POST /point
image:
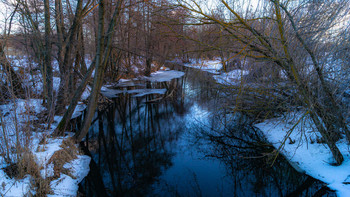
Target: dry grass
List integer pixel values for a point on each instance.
(68, 152)
(26, 165)
(42, 186)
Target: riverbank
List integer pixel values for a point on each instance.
(184, 145)
(46, 149)
(34, 162)
(54, 162)
(295, 137)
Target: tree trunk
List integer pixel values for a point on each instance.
(328, 139)
(148, 66)
(334, 108)
(101, 62)
(74, 101)
(303, 88)
(65, 57)
(47, 63)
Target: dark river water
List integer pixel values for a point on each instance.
(188, 144)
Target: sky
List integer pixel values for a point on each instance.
(4, 13)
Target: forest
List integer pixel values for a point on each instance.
(117, 97)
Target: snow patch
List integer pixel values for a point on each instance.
(16, 115)
(163, 76)
(303, 151)
(14, 188)
(64, 186)
(78, 110)
(211, 66)
(48, 171)
(233, 77)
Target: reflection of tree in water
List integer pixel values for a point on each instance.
(248, 159)
(245, 153)
(130, 145)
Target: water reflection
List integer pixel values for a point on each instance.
(248, 159)
(187, 144)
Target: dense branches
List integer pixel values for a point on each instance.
(272, 34)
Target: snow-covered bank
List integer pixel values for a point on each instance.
(233, 77)
(162, 76)
(305, 153)
(302, 147)
(211, 66)
(68, 185)
(21, 123)
(15, 117)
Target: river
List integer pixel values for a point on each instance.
(189, 143)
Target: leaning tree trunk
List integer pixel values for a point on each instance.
(327, 136)
(65, 55)
(74, 101)
(339, 120)
(101, 62)
(303, 88)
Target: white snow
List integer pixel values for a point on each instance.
(125, 83)
(211, 66)
(14, 118)
(48, 171)
(45, 151)
(124, 80)
(77, 167)
(14, 188)
(305, 154)
(163, 76)
(310, 157)
(15, 114)
(21, 106)
(233, 77)
(158, 76)
(78, 110)
(66, 185)
(164, 68)
(111, 93)
(86, 93)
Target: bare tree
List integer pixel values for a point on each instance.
(272, 34)
(47, 66)
(66, 48)
(102, 53)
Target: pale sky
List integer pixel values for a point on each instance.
(4, 13)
